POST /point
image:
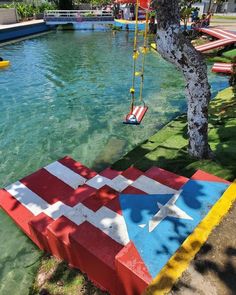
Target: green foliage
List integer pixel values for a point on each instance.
(28, 10)
(100, 2)
(63, 4)
(186, 10)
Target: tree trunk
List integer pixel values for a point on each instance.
(177, 49)
(209, 7)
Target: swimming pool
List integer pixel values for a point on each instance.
(66, 93)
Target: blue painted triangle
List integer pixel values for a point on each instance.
(157, 246)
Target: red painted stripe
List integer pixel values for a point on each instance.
(20, 215)
(114, 205)
(77, 167)
(100, 198)
(59, 242)
(110, 173)
(132, 270)
(227, 34)
(202, 175)
(132, 173)
(218, 33)
(96, 252)
(167, 178)
(133, 191)
(214, 33)
(79, 195)
(38, 228)
(215, 44)
(98, 243)
(141, 115)
(221, 70)
(47, 186)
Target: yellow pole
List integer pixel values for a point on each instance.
(144, 55)
(135, 55)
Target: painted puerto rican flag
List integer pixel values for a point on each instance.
(119, 227)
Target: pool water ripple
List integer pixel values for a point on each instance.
(67, 93)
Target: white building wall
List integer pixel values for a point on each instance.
(8, 16)
(231, 7)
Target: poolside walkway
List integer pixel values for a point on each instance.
(22, 24)
(226, 24)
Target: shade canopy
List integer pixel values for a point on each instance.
(145, 4)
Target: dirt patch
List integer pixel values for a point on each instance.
(213, 271)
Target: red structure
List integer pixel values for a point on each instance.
(94, 221)
(225, 38)
(145, 4)
(225, 68)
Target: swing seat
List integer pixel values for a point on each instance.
(135, 117)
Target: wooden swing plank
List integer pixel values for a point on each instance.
(138, 112)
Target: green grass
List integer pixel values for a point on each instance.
(219, 59)
(227, 56)
(230, 54)
(168, 147)
(215, 17)
(56, 278)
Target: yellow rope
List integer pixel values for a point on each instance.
(135, 56)
(144, 51)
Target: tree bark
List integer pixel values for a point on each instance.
(177, 49)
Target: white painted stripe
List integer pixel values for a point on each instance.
(112, 224)
(151, 186)
(219, 33)
(221, 68)
(226, 33)
(65, 174)
(119, 183)
(213, 44)
(99, 181)
(79, 214)
(57, 209)
(135, 111)
(222, 64)
(106, 220)
(27, 198)
(139, 113)
(213, 33)
(222, 35)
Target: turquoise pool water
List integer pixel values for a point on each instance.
(66, 93)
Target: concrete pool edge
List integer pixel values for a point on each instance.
(17, 31)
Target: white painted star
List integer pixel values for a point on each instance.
(169, 209)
